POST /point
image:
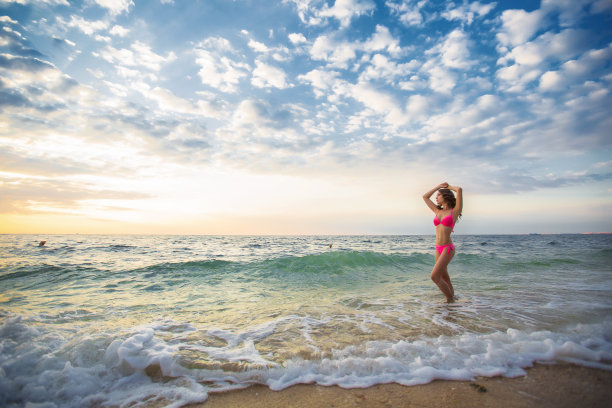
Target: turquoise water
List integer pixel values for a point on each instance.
(100, 320)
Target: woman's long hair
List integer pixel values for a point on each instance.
(449, 198)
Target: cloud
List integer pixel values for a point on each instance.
(169, 103)
(264, 137)
(417, 107)
(533, 58)
(409, 82)
(115, 7)
(86, 26)
(467, 12)
(518, 26)
(265, 76)
(24, 64)
(22, 195)
(34, 83)
(312, 13)
(7, 19)
(321, 80)
(345, 10)
(381, 67)
(507, 180)
(20, 161)
(139, 55)
(10, 97)
(441, 79)
(13, 40)
(408, 11)
(600, 6)
(551, 80)
(338, 53)
(217, 69)
(119, 31)
(257, 46)
(278, 53)
(571, 12)
(297, 38)
(556, 46)
(47, 2)
(382, 40)
(454, 51)
(381, 103)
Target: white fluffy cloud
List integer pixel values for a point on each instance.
(572, 71)
(339, 52)
(138, 55)
(297, 38)
(217, 69)
(518, 26)
(440, 79)
(467, 11)
(383, 68)
(321, 80)
(454, 51)
(550, 81)
(115, 6)
(119, 31)
(417, 107)
(312, 12)
(265, 76)
(258, 46)
(167, 101)
(345, 10)
(379, 102)
(86, 26)
(409, 12)
(382, 40)
(526, 62)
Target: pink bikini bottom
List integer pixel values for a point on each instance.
(441, 248)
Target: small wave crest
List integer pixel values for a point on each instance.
(329, 263)
(189, 267)
(340, 262)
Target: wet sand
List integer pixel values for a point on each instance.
(558, 386)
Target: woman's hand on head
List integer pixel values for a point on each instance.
(443, 185)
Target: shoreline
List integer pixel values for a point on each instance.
(560, 385)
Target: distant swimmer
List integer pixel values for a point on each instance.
(444, 221)
(330, 245)
(42, 243)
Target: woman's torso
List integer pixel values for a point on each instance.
(444, 227)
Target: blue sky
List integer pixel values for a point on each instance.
(303, 116)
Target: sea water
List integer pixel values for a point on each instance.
(94, 320)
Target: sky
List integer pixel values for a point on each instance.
(304, 116)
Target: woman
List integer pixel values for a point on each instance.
(447, 210)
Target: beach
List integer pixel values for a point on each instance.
(110, 321)
(544, 386)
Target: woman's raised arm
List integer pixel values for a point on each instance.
(459, 203)
(427, 197)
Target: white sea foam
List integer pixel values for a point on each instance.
(38, 366)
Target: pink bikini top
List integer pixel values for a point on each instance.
(446, 221)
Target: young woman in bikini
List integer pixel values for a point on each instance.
(448, 210)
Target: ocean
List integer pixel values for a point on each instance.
(101, 320)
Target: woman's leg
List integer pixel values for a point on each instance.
(446, 278)
(439, 274)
